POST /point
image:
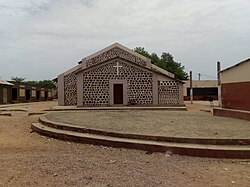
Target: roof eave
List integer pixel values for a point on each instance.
(235, 65)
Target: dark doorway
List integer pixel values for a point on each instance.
(204, 93)
(37, 95)
(46, 95)
(27, 95)
(14, 94)
(118, 93)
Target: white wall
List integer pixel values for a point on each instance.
(239, 73)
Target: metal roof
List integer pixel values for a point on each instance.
(247, 60)
(6, 83)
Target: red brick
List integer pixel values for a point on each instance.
(236, 95)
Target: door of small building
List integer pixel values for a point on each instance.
(14, 94)
(37, 95)
(46, 95)
(5, 95)
(118, 93)
(27, 95)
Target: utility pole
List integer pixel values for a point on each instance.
(199, 76)
(219, 83)
(191, 87)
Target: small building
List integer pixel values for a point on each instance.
(117, 75)
(235, 91)
(5, 92)
(12, 92)
(202, 90)
(23, 92)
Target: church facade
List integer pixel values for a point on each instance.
(117, 75)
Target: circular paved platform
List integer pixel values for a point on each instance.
(185, 133)
(157, 123)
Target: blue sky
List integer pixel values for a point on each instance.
(40, 39)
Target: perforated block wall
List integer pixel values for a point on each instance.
(96, 84)
(113, 53)
(70, 89)
(168, 92)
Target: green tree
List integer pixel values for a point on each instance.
(154, 58)
(168, 63)
(33, 83)
(165, 62)
(18, 79)
(44, 84)
(142, 51)
(47, 84)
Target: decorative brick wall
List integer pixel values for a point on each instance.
(96, 84)
(113, 53)
(70, 89)
(236, 95)
(168, 92)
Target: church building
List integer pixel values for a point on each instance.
(117, 75)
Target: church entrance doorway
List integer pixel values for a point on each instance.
(118, 93)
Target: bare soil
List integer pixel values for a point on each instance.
(28, 159)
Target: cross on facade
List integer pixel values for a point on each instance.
(117, 66)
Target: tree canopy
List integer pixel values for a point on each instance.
(166, 61)
(18, 79)
(44, 83)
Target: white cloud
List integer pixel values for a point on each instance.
(42, 38)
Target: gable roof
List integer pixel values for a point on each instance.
(247, 60)
(74, 69)
(160, 70)
(136, 58)
(113, 46)
(113, 51)
(4, 82)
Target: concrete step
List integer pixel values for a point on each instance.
(213, 151)
(190, 140)
(73, 108)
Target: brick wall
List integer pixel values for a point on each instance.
(236, 95)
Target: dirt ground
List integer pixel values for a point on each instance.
(28, 159)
